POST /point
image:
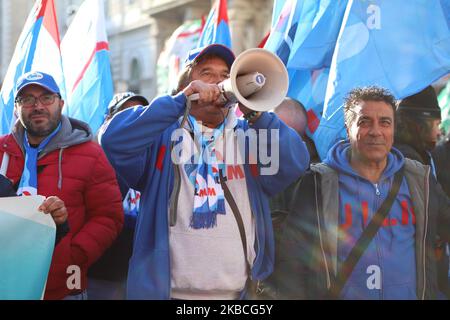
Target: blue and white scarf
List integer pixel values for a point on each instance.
(28, 182)
(208, 195)
(131, 204)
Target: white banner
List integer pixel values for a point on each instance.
(27, 239)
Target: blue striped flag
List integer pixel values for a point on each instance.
(87, 70)
(304, 37)
(216, 29)
(37, 50)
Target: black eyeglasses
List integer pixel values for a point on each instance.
(30, 101)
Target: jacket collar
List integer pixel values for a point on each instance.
(72, 132)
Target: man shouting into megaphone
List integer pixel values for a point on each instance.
(204, 229)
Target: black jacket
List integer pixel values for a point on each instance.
(441, 156)
(413, 153)
(6, 187)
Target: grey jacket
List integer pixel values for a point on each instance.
(72, 132)
(306, 259)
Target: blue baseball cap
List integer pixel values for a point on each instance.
(39, 78)
(217, 49)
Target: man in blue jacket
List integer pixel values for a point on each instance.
(335, 202)
(197, 174)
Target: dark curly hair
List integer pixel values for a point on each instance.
(371, 93)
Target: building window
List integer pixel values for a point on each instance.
(135, 76)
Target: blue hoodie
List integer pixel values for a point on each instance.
(387, 269)
(137, 142)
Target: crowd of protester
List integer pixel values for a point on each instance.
(158, 209)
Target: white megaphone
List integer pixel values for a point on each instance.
(258, 80)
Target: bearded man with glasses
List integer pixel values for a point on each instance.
(40, 114)
(52, 155)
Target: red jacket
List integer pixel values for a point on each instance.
(75, 169)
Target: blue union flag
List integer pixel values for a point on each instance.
(37, 50)
(376, 47)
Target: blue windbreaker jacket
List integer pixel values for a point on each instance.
(137, 142)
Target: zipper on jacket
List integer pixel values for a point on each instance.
(172, 208)
(173, 205)
(253, 220)
(376, 239)
(5, 163)
(377, 191)
(173, 200)
(427, 195)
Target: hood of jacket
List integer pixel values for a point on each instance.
(337, 158)
(72, 132)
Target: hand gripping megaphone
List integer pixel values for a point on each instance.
(258, 80)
